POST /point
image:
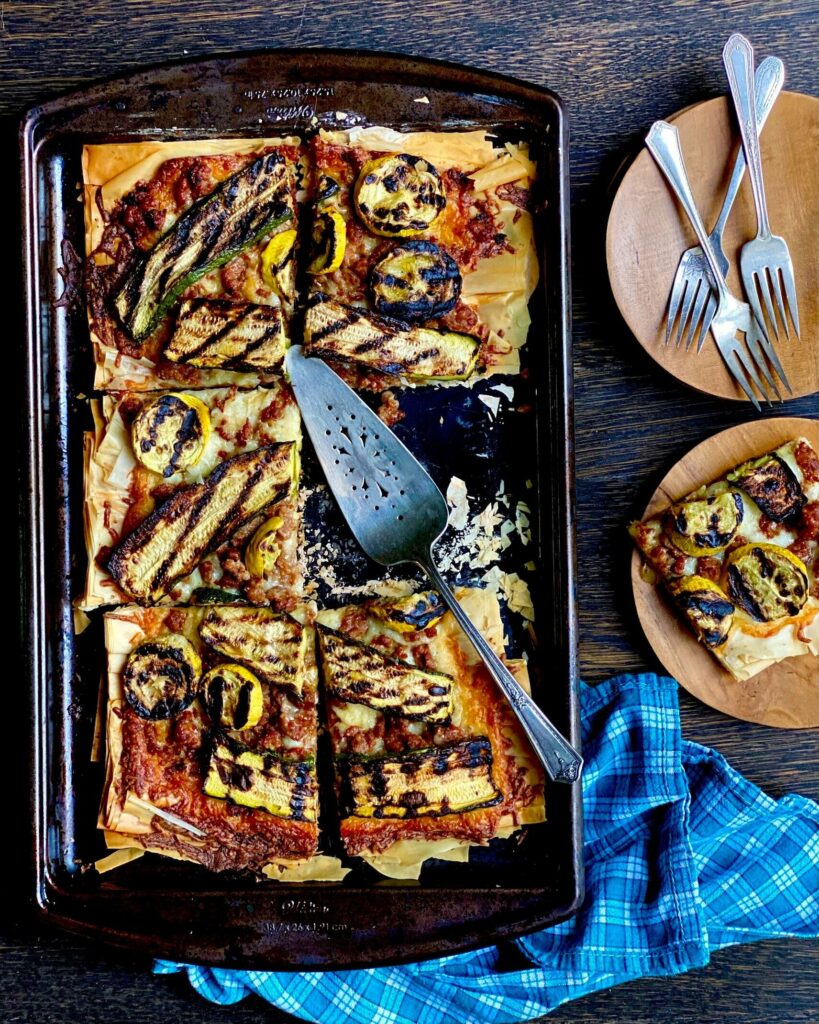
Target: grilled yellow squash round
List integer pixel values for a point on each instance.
(766, 581)
(170, 433)
(161, 675)
(276, 256)
(706, 606)
(399, 195)
(262, 551)
(329, 242)
(233, 697)
(415, 281)
(706, 525)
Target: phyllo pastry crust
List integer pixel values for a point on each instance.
(429, 758)
(190, 496)
(190, 260)
(209, 759)
(740, 559)
(423, 257)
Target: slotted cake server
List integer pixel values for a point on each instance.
(397, 513)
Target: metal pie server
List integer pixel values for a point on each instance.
(396, 514)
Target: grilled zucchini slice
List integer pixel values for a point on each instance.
(271, 645)
(706, 525)
(217, 334)
(399, 195)
(766, 581)
(336, 331)
(197, 519)
(770, 481)
(424, 783)
(415, 281)
(356, 673)
(706, 607)
(233, 697)
(262, 780)
(241, 210)
(161, 676)
(170, 433)
(414, 612)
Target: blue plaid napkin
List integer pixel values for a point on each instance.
(683, 856)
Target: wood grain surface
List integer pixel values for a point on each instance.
(619, 67)
(648, 233)
(785, 695)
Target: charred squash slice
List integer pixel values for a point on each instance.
(170, 433)
(277, 255)
(770, 481)
(262, 780)
(327, 189)
(161, 676)
(337, 331)
(356, 673)
(271, 645)
(216, 595)
(415, 281)
(242, 209)
(263, 549)
(216, 334)
(197, 519)
(706, 607)
(706, 525)
(414, 612)
(233, 697)
(766, 581)
(429, 782)
(399, 195)
(328, 243)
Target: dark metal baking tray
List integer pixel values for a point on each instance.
(154, 906)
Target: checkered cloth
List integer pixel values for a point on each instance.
(683, 856)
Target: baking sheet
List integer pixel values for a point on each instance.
(178, 910)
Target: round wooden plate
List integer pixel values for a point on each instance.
(785, 695)
(648, 232)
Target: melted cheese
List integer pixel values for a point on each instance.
(748, 651)
(358, 715)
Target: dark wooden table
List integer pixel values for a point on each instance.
(619, 67)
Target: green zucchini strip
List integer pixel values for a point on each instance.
(428, 782)
(272, 645)
(172, 541)
(358, 674)
(214, 333)
(336, 331)
(241, 210)
(262, 780)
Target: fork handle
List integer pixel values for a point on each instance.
(664, 142)
(738, 57)
(561, 761)
(768, 82)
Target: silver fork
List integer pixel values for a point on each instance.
(692, 294)
(766, 256)
(732, 316)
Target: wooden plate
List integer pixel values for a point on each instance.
(648, 232)
(785, 695)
